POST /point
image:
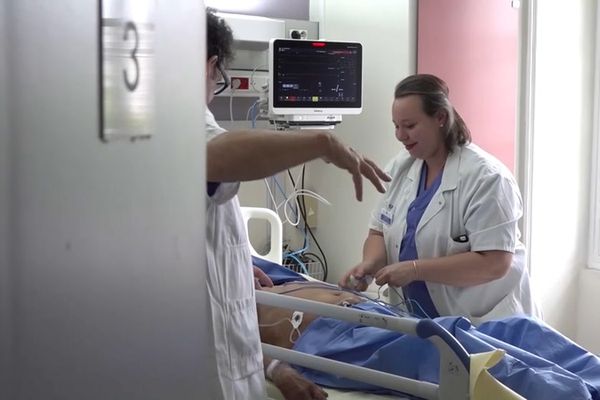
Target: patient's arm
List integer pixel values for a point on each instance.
(276, 329)
(292, 385)
(260, 278)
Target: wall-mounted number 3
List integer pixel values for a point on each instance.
(130, 26)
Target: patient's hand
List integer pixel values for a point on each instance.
(294, 386)
(261, 279)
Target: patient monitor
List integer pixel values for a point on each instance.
(313, 83)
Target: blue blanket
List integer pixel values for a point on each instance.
(540, 363)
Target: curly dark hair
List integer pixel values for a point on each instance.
(219, 38)
(434, 96)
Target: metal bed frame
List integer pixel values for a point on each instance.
(454, 359)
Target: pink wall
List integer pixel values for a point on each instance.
(473, 46)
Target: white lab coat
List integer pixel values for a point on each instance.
(231, 290)
(478, 197)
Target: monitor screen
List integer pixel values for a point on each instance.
(315, 77)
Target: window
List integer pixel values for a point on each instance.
(594, 230)
(594, 234)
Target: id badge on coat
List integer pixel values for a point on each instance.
(387, 214)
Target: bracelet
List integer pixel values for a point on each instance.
(270, 368)
(414, 263)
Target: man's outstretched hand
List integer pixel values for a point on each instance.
(347, 158)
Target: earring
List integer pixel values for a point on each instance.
(441, 125)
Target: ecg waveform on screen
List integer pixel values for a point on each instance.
(318, 75)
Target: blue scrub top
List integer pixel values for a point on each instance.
(416, 295)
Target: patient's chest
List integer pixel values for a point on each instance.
(277, 324)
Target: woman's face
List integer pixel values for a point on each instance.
(418, 132)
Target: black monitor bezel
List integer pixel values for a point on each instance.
(278, 43)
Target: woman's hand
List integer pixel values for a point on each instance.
(356, 278)
(398, 274)
(294, 386)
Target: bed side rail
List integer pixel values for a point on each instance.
(454, 360)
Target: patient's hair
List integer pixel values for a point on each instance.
(434, 96)
(219, 38)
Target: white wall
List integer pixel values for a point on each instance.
(561, 143)
(387, 30)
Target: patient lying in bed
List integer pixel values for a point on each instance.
(539, 361)
(276, 323)
(280, 327)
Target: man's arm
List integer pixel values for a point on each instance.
(254, 154)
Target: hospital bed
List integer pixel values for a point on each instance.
(454, 360)
(451, 356)
(528, 355)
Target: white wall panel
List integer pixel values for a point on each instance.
(388, 33)
(106, 240)
(5, 306)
